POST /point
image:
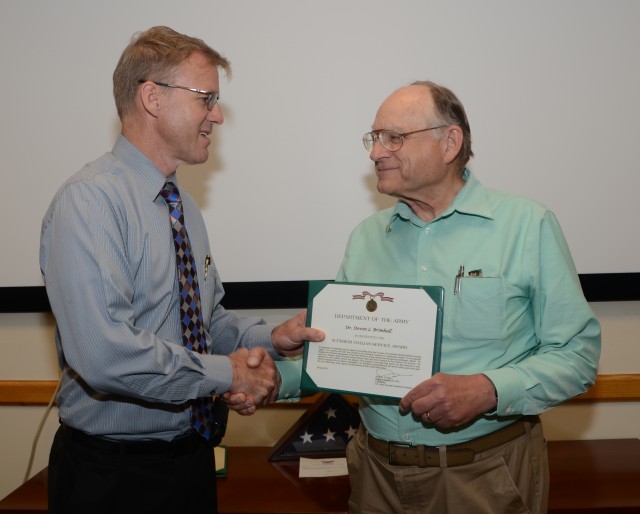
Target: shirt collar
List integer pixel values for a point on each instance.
(471, 200)
(151, 178)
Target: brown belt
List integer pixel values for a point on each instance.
(423, 456)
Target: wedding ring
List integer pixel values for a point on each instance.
(428, 418)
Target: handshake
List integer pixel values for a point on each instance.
(256, 381)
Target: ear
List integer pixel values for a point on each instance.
(150, 98)
(452, 143)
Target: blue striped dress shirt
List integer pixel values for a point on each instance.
(109, 267)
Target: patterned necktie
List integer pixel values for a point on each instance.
(203, 418)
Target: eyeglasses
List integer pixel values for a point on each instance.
(210, 101)
(391, 139)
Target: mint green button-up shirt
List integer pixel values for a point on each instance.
(524, 322)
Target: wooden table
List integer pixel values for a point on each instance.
(586, 477)
(589, 477)
(252, 485)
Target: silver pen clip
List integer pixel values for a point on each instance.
(456, 287)
(207, 261)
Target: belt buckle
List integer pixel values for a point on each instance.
(401, 454)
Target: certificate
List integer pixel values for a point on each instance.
(380, 340)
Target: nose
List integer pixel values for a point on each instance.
(378, 150)
(215, 115)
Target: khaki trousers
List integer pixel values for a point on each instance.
(512, 478)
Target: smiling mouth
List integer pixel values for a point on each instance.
(382, 165)
(381, 170)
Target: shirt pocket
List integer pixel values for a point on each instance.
(478, 310)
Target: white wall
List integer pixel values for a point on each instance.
(550, 88)
(28, 353)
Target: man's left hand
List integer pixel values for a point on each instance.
(289, 337)
(449, 401)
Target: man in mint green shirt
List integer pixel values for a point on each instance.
(518, 335)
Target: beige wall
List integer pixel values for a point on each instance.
(28, 353)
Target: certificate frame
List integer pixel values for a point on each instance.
(385, 294)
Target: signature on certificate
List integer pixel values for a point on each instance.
(385, 373)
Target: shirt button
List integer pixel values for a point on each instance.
(407, 437)
(427, 230)
(423, 268)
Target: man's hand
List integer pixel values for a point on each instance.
(289, 337)
(449, 401)
(255, 381)
(244, 405)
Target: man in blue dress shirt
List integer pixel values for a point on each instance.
(108, 260)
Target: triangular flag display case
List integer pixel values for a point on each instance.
(324, 430)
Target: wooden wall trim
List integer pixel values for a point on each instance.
(608, 388)
(613, 388)
(26, 392)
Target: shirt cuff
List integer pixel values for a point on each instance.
(290, 372)
(218, 375)
(509, 389)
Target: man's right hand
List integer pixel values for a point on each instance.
(255, 376)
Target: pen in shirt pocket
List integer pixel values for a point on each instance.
(207, 261)
(477, 273)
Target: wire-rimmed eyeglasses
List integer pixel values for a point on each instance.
(392, 140)
(210, 101)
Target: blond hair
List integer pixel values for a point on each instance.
(155, 55)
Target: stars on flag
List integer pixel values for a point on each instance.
(330, 435)
(323, 431)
